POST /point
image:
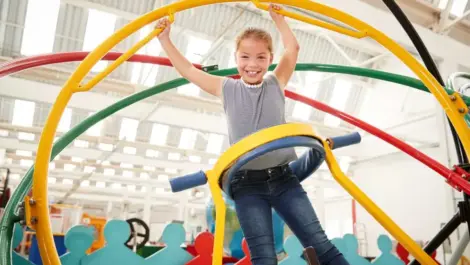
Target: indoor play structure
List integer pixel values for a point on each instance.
(33, 209)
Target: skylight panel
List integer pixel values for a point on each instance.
(99, 27)
(40, 26)
(26, 162)
(195, 159)
(188, 139)
(231, 61)
(100, 184)
(95, 130)
(159, 134)
(131, 187)
(196, 49)
(69, 167)
(302, 111)
(458, 6)
(128, 129)
(174, 156)
(129, 150)
(171, 170)
(108, 171)
(105, 147)
(67, 181)
(26, 136)
(338, 101)
(85, 183)
(24, 153)
(151, 153)
(89, 169)
(127, 174)
(146, 74)
(65, 120)
(214, 144)
(116, 186)
(163, 177)
(51, 180)
(81, 143)
(23, 113)
(149, 168)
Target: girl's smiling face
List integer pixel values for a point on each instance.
(253, 58)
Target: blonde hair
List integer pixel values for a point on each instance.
(257, 34)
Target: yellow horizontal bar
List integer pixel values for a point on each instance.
(315, 22)
(124, 57)
(374, 210)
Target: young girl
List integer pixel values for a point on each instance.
(252, 103)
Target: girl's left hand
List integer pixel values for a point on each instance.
(273, 8)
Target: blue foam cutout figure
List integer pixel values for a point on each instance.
(351, 254)
(173, 236)
(340, 245)
(386, 258)
(115, 252)
(17, 259)
(77, 240)
(294, 250)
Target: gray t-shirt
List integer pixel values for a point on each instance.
(250, 109)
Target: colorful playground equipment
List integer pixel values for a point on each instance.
(79, 238)
(35, 205)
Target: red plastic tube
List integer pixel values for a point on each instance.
(64, 57)
(454, 179)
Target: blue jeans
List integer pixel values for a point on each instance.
(255, 193)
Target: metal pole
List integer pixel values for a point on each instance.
(461, 246)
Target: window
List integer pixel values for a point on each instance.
(188, 139)
(85, 183)
(69, 167)
(40, 26)
(196, 49)
(458, 6)
(195, 159)
(214, 145)
(99, 27)
(129, 150)
(65, 120)
(338, 101)
(100, 184)
(108, 171)
(127, 174)
(146, 74)
(23, 113)
(24, 153)
(174, 156)
(81, 143)
(128, 129)
(95, 130)
(159, 134)
(302, 111)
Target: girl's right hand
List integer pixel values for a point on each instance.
(164, 24)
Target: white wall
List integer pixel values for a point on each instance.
(414, 196)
